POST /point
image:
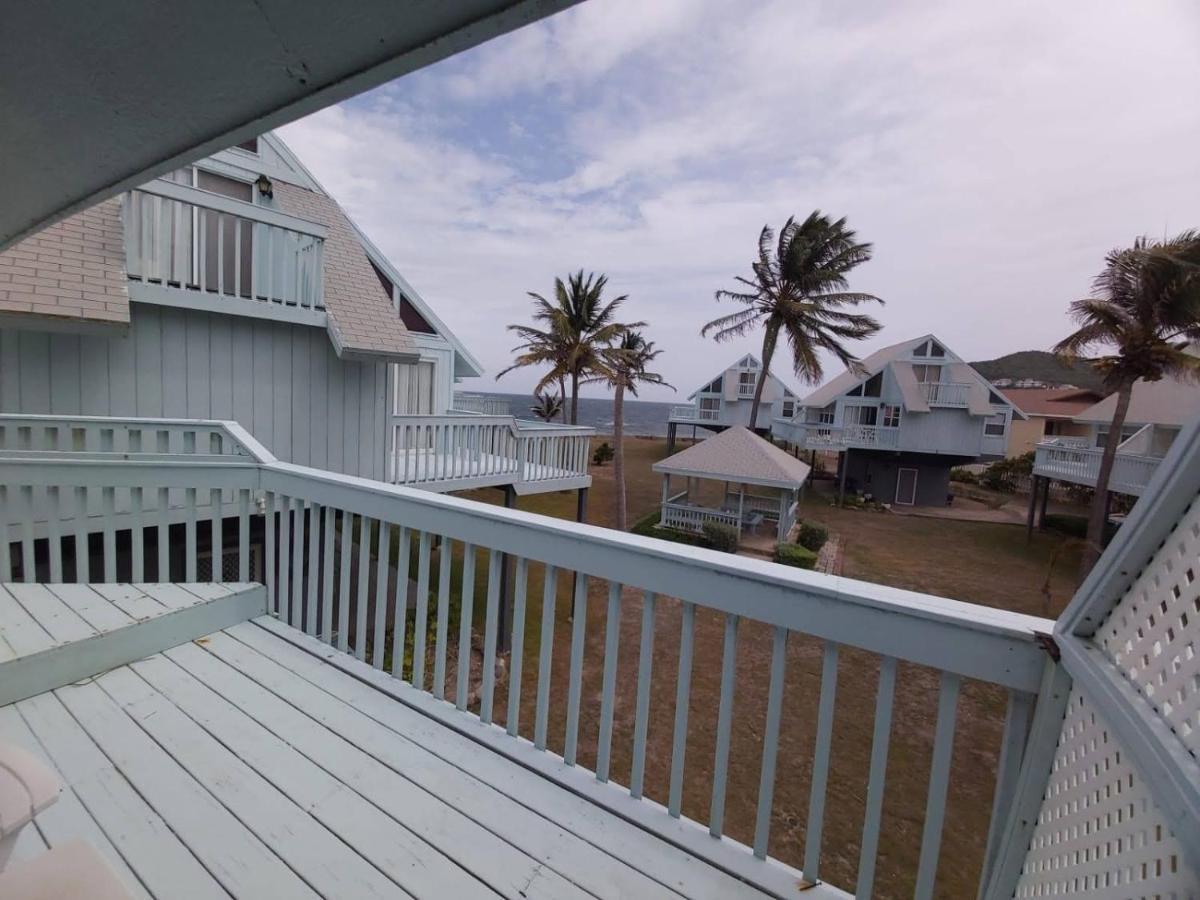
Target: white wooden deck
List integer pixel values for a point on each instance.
(439, 471)
(241, 764)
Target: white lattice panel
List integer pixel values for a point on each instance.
(1099, 833)
(1153, 634)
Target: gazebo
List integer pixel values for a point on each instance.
(739, 458)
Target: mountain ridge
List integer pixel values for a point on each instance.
(1040, 365)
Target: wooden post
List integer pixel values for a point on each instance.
(784, 505)
(1033, 491)
(581, 498)
(1041, 523)
(741, 505)
(666, 490)
(671, 426)
(503, 637)
(844, 464)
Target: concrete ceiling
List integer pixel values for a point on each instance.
(96, 97)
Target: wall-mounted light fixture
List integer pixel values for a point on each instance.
(265, 188)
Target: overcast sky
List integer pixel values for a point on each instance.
(992, 152)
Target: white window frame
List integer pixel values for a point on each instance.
(993, 420)
(891, 415)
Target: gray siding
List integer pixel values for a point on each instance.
(877, 473)
(282, 382)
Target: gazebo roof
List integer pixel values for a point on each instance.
(737, 454)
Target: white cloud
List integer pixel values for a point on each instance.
(992, 152)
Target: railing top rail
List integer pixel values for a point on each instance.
(184, 193)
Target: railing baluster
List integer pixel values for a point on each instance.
(383, 552)
(716, 815)
(285, 549)
(488, 689)
(237, 256)
(518, 646)
(612, 633)
(466, 614)
(1012, 746)
(296, 620)
(244, 535)
(419, 636)
(641, 719)
(820, 770)
(939, 779)
(202, 218)
(5, 537)
(217, 537)
(443, 616)
(343, 619)
(766, 782)
(220, 255)
(878, 777)
(400, 615)
(189, 526)
(575, 680)
(364, 578)
(272, 580)
(545, 656)
(28, 569)
(683, 688)
(329, 514)
(54, 533)
(313, 603)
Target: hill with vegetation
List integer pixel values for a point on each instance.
(1039, 366)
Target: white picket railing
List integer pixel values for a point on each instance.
(692, 518)
(944, 393)
(469, 449)
(183, 237)
(481, 404)
(697, 413)
(329, 545)
(837, 437)
(1080, 464)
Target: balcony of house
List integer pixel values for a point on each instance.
(319, 729)
(481, 404)
(197, 249)
(1074, 460)
(696, 412)
(945, 393)
(461, 451)
(811, 436)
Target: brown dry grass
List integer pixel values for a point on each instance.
(982, 563)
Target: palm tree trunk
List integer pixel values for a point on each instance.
(1096, 520)
(562, 395)
(768, 350)
(619, 453)
(574, 398)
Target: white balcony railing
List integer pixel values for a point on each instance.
(319, 523)
(466, 450)
(181, 237)
(696, 413)
(944, 393)
(1074, 461)
(481, 404)
(746, 391)
(838, 437)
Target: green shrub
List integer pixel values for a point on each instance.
(1074, 526)
(647, 526)
(795, 555)
(964, 476)
(721, 536)
(1004, 475)
(812, 536)
(603, 454)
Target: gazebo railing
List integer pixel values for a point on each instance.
(692, 518)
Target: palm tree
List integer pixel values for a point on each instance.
(575, 328)
(625, 368)
(1145, 305)
(799, 288)
(548, 407)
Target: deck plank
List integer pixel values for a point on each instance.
(61, 622)
(310, 850)
(149, 847)
(178, 596)
(433, 816)
(66, 819)
(21, 631)
(131, 600)
(100, 613)
(393, 848)
(545, 819)
(236, 857)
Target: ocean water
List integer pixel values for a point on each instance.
(642, 417)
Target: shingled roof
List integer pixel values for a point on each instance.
(72, 272)
(737, 454)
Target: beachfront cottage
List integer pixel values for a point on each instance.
(726, 400)
(161, 737)
(900, 421)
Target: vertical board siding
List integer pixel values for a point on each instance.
(282, 382)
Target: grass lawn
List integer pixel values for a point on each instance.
(982, 563)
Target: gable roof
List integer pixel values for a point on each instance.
(737, 364)
(875, 362)
(1052, 402)
(1168, 402)
(737, 454)
(71, 273)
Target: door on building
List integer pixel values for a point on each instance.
(906, 487)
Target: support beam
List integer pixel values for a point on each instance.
(671, 428)
(581, 500)
(843, 465)
(1041, 522)
(504, 636)
(1033, 492)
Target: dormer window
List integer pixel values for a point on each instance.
(250, 146)
(923, 350)
(927, 374)
(936, 349)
